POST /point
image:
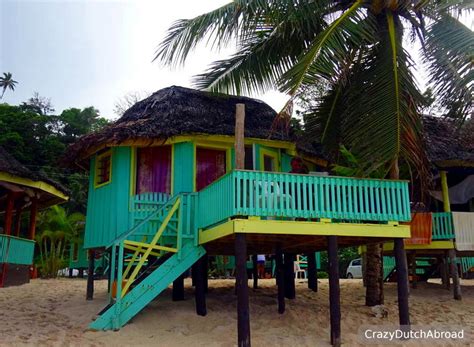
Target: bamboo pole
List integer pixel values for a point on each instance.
(445, 191)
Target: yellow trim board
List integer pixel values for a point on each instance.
(446, 244)
(46, 187)
(277, 227)
(272, 154)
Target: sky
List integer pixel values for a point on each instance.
(93, 52)
(84, 53)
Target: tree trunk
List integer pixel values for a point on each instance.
(373, 275)
(374, 269)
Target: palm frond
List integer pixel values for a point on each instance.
(264, 56)
(322, 59)
(449, 54)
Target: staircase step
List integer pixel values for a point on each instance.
(148, 289)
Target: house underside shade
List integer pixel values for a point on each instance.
(211, 164)
(154, 169)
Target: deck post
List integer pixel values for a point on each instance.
(334, 291)
(280, 279)
(8, 219)
(19, 210)
(199, 289)
(445, 191)
(205, 270)
(255, 271)
(446, 271)
(402, 282)
(455, 275)
(178, 289)
(312, 272)
(90, 276)
(413, 270)
(243, 315)
(32, 223)
(290, 292)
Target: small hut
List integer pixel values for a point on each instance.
(165, 192)
(21, 192)
(442, 233)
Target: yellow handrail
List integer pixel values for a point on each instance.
(150, 246)
(142, 245)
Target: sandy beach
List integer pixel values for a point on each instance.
(55, 313)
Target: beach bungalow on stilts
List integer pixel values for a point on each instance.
(21, 192)
(442, 233)
(184, 174)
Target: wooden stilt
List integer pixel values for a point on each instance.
(446, 271)
(255, 271)
(32, 224)
(334, 291)
(243, 316)
(199, 289)
(413, 270)
(280, 277)
(90, 276)
(455, 275)
(312, 272)
(8, 221)
(178, 289)
(18, 221)
(402, 282)
(290, 292)
(71, 270)
(205, 270)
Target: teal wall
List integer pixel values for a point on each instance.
(183, 170)
(107, 206)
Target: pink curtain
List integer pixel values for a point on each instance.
(211, 164)
(154, 169)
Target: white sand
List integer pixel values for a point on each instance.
(55, 313)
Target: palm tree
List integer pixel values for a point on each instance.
(57, 231)
(358, 48)
(7, 82)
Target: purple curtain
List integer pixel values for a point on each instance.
(211, 164)
(154, 169)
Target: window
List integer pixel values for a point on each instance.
(356, 262)
(103, 169)
(210, 165)
(154, 170)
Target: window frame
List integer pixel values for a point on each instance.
(98, 158)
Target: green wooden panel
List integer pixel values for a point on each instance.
(107, 206)
(15, 250)
(262, 194)
(443, 228)
(183, 173)
(388, 266)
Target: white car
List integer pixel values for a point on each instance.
(354, 270)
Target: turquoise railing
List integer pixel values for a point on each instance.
(443, 228)
(15, 250)
(265, 194)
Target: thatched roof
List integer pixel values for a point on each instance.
(446, 142)
(9, 165)
(176, 111)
